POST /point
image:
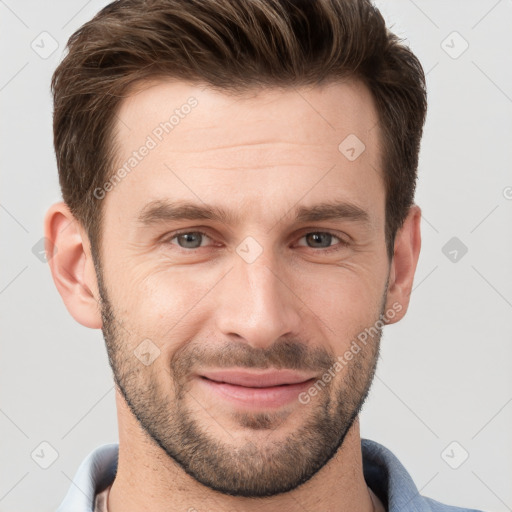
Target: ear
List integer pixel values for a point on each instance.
(69, 256)
(403, 264)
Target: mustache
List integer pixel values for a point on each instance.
(283, 354)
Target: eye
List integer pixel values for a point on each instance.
(189, 239)
(323, 240)
(315, 240)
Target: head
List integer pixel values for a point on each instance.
(238, 182)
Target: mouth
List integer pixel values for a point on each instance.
(256, 390)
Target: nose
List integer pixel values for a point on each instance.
(257, 304)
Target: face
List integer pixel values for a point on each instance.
(243, 255)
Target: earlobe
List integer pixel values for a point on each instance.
(403, 266)
(71, 265)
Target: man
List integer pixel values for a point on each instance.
(239, 220)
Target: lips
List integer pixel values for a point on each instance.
(254, 389)
(261, 379)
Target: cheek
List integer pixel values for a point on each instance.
(343, 302)
(163, 303)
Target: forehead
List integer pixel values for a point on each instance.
(325, 113)
(293, 144)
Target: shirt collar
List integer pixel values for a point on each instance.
(96, 472)
(389, 480)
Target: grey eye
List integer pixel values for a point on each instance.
(190, 240)
(319, 239)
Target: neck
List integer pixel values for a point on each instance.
(147, 479)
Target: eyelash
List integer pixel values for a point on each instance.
(342, 243)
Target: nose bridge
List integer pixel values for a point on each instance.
(257, 304)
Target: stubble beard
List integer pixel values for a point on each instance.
(261, 469)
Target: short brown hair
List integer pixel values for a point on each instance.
(232, 45)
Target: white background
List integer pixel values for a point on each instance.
(445, 373)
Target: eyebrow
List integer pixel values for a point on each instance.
(160, 211)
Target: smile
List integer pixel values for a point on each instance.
(256, 390)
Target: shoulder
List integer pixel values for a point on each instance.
(436, 506)
(392, 483)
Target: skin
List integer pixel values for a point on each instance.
(258, 155)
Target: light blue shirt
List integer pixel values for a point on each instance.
(383, 472)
